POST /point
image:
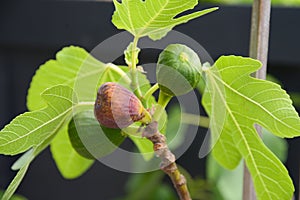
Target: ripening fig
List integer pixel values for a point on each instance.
(178, 70)
(117, 107)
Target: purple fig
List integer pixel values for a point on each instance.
(117, 107)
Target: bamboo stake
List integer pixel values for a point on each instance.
(259, 42)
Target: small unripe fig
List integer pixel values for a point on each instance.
(178, 70)
(117, 107)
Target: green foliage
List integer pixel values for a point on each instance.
(14, 197)
(147, 186)
(35, 130)
(62, 71)
(150, 186)
(63, 91)
(30, 129)
(80, 71)
(277, 145)
(85, 132)
(73, 65)
(153, 18)
(295, 96)
(144, 146)
(176, 130)
(70, 164)
(15, 182)
(57, 92)
(228, 182)
(248, 101)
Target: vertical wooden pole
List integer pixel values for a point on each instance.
(259, 39)
(259, 42)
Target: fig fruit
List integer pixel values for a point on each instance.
(178, 70)
(117, 107)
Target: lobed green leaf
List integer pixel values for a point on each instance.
(247, 101)
(30, 129)
(76, 68)
(23, 164)
(61, 71)
(153, 18)
(228, 182)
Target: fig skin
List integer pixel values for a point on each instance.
(117, 107)
(178, 70)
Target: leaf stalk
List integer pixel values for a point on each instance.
(163, 100)
(195, 120)
(133, 69)
(149, 93)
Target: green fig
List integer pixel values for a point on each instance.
(178, 70)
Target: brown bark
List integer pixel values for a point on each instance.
(168, 164)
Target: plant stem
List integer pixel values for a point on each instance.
(133, 70)
(195, 120)
(258, 50)
(168, 164)
(163, 100)
(149, 93)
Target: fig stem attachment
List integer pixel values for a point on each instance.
(168, 164)
(147, 117)
(149, 93)
(163, 100)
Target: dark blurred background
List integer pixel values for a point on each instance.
(32, 32)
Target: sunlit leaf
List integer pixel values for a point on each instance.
(23, 165)
(153, 18)
(229, 182)
(31, 128)
(248, 101)
(63, 70)
(76, 68)
(69, 162)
